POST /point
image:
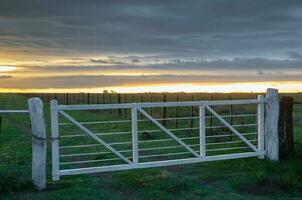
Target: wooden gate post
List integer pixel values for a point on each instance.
(164, 111)
(271, 124)
(35, 107)
(286, 136)
(119, 101)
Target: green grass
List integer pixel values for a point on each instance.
(232, 179)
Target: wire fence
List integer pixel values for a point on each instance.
(15, 143)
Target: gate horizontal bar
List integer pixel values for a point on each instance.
(152, 148)
(156, 164)
(159, 140)
(13, 111)
(157, 104)
(161, 119)
(226, 149)
(156, 130)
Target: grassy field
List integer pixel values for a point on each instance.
(233, 179)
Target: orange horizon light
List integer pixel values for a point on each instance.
(246, 87)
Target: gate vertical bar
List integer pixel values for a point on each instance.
(134, 134)
(260, 120)
(202, 131)
(55, 140)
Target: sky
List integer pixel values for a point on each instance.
(150, 46)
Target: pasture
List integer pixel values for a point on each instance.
(248, 178)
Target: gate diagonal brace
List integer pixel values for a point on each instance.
(232, 128)
(78, 124)
(168, 132)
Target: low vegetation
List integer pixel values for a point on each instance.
(232, 179)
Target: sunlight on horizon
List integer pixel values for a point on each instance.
(212, 87)
(248, 87)
(4, 68)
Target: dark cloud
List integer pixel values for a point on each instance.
(110, 61)
(263, 37)
(295, 55)
(238, 65)
(171, 28)
(99, 61)
(5, 77)
(135, 61)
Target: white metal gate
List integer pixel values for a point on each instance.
(133, 157)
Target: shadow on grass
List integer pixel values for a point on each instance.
(13, 181)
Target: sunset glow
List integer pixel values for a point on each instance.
(285, 87)
(152, 46)
(6, 68)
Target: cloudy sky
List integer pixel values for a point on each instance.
(155, 45)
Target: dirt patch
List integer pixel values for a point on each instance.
(211, 181)
(122, 193)
(126, 195)
(262, 189)
(54, 186)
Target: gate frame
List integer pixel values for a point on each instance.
(259, 151)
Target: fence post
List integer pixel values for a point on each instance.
(231, 115)
(271, 124)
(55, 139)
(134, 134)
(0, 124)
(176, 111)
(35, 106)
(202, 131)
(88, 98)
(192, 114)
(211, 117)
(286, 136)
(151, 100)
(119, 101)
(260, 122)
(164, 111)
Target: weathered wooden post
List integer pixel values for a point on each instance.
(271, 124)
(0, 124)
(151, 100)
(286, 136)
(176, 111)
(110, 102)
(88, 98)
(260, 122)
(35, 106)
(231, 115)
(164, 111)
(211, 117)
(192, 114)
(119, 101)
(141, 100)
